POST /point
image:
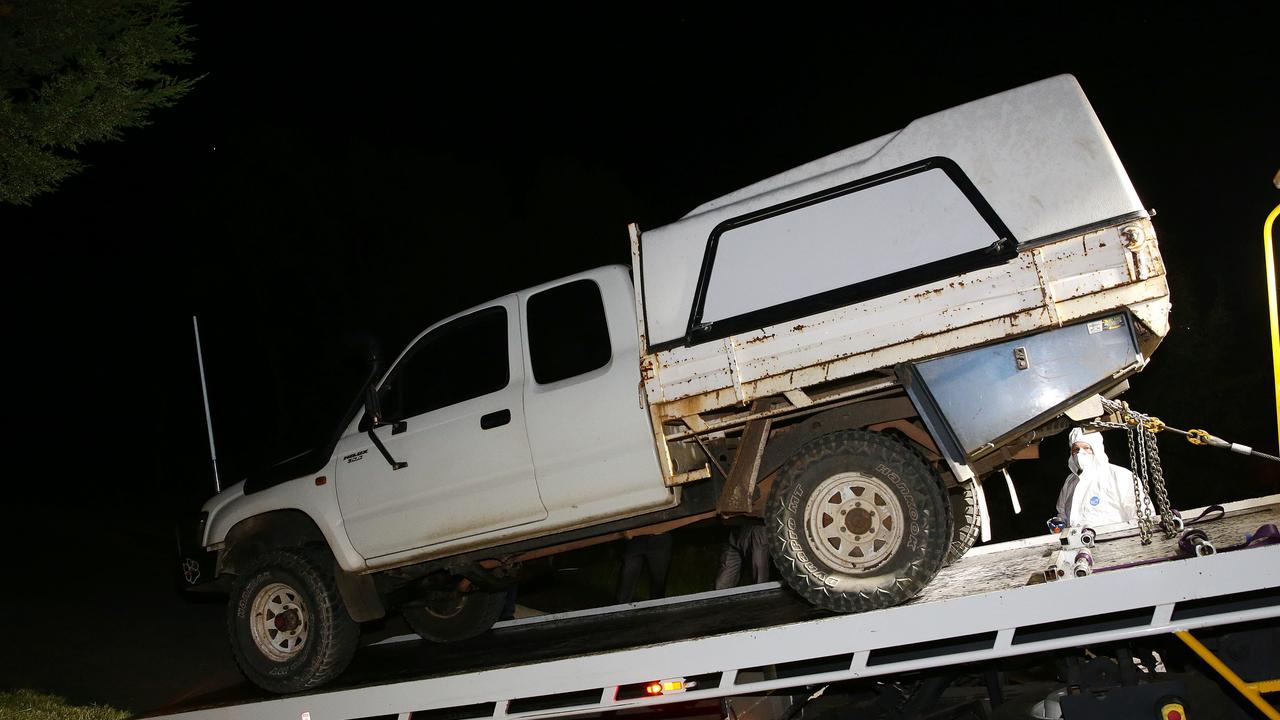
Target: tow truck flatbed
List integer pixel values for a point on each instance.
(980, 608)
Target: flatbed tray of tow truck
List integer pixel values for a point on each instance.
(978, 608)
(1012, 564)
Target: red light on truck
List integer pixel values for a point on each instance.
(665, 687)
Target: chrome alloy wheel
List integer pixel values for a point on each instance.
(278, 621)
(854, 522)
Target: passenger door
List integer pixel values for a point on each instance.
(453, 411)
(589, 427)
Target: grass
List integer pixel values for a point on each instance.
(32, 705)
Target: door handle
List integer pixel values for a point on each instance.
(495, 419)
(399, 427)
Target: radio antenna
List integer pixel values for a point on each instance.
(208, 418)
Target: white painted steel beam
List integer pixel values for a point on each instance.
(1143, 601)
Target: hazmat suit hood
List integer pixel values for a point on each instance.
(1095, 442)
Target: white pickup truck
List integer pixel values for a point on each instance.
(844, 350)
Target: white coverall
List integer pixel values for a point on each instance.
(1096, 492)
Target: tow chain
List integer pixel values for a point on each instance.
(1148, 474)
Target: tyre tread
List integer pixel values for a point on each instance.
(335, 648)
(895, 454)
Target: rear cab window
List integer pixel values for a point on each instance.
(568, 334)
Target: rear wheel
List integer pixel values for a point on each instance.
(968, 520)
(857, 521)
(448, 616)
(288, 627)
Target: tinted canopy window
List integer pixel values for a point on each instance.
(462, 360)
(568, 335)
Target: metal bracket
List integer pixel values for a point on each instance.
(735, 498)
(1046, 287)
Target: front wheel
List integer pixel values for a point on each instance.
(857, 522)
(289, 629)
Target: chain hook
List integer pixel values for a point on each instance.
(1198, 437)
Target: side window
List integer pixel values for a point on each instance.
(568, 335)
(462, 360)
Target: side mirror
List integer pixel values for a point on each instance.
(374, 413)
(372, 406)
(373, 360)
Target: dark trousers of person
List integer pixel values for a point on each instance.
(749, 543)
(653, 551)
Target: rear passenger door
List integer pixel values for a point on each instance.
(593, 447)
(453, 412)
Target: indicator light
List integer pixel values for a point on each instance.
(665, 687)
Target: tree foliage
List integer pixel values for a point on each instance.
(80, 71)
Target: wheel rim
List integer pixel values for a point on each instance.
(854, 522)
(279, 621)
(445, 604)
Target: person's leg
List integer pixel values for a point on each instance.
(509, 606)
(758, 549)
(659, 561)
(627, 579)
(730, 568)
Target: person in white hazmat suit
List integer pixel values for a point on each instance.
(1097, 492)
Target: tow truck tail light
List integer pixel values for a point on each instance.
(668, 687)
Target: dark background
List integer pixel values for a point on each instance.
(357, 172)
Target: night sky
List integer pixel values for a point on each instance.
(350, 175)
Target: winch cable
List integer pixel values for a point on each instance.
(1200, 437)
(1144, 457)
(1152, 425)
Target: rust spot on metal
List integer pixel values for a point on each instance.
(762, 338)
(798, 328)
(1084, 243)
(646, 368)
(926, 293)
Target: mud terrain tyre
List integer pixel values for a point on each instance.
(288, 627)
(857, 521)
(968, 521)
(451, 616)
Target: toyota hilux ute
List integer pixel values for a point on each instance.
(844, 350)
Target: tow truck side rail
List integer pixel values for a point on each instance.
(1178, 595)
